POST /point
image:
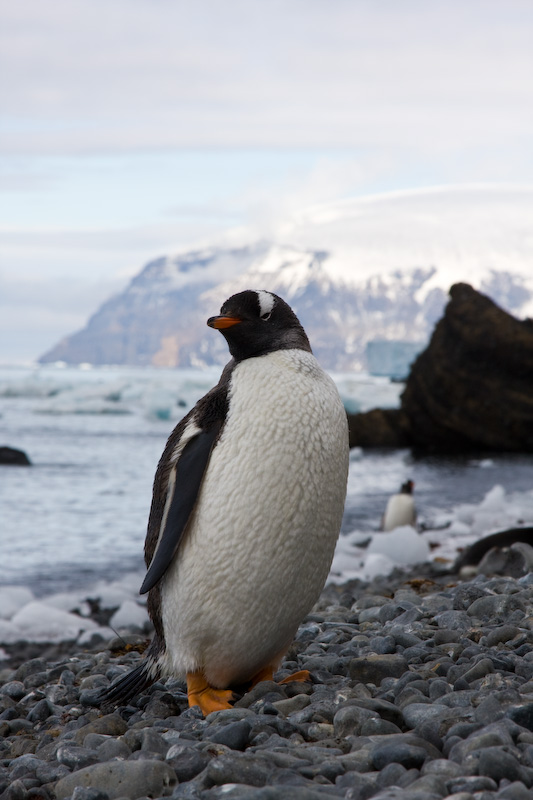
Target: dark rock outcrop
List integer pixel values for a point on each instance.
(13, 457)
(470, 389)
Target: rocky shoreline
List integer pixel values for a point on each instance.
(422, 690)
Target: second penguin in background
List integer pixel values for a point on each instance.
(400, 508)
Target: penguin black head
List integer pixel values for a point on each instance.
(407, 487)
(256, 323)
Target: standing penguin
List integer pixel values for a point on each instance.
(247, 505)
(400, 508)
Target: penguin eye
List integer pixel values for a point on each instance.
(266, 316)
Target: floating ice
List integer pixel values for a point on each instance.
(129, 614)
(101, 632)
(69, 601)
(39, 622)
(12, 598)
(377, 564)
(114, 594)
(402, 546)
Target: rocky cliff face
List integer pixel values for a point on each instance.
(355, 271)
(160, 319)
(471, 388)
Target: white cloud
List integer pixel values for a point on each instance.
(92, 75)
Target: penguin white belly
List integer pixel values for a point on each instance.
(400, 511)
(259, 545)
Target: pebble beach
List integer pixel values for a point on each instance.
(422, 689)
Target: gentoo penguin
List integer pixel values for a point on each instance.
(400, 508)
(247, 505)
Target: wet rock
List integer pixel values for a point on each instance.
(131, 779)
(407, 755)
(374, 668)
(251, 772)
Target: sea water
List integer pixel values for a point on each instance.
(95, 435)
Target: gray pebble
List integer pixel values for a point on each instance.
(13, 689)
(133, 779)
(374, 668)
(405, 754)
(415, 698)
(498, 764)
(251, 772)
(349, 720)
(112, 748)
(75, 757)
(236, 735)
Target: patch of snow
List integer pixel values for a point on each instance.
(13, 598)
(129, 614)
(39, 622)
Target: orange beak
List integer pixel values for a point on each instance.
(223, 322)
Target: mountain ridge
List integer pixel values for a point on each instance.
(424, 243)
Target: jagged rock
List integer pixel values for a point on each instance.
(496, 542)
(381, 427)
(471, 388)
(14, 457)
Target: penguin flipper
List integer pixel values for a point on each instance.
(187, 479)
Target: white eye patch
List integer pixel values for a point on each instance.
(266, 303)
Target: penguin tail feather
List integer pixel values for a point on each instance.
(128, 686)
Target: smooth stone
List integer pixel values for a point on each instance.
(432, 784)
(461, 796)
(84, 793)
(489, 710)
(441, 767)
(514, 791)
(503, 633)
(292, 704)
(112, 748)
(13, 689)
(465, 595)
(405, 754)
(384, 708)
(251, 772)
(453, 621)
(349, 720)
(153, 742)
(110, 725)
(415, 713)
(375, 726)
(187, 762)
(495, 606)
(50, 772)
(374, 668)
(496, 763)
(383, 645)
(471, 784)
(131, 779)
(483, 667)
(259, 691)
(438, 688)
(390, 775)
(522, 715)
(75, 757)
(236, 735)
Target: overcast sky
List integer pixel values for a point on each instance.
(133, 128)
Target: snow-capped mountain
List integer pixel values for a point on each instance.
(355, 271)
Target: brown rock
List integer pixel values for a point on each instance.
(471, 388)
(380, 427)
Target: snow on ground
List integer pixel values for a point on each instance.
(448, 534)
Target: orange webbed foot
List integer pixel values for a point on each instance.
(302, 676)
(201, 693)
